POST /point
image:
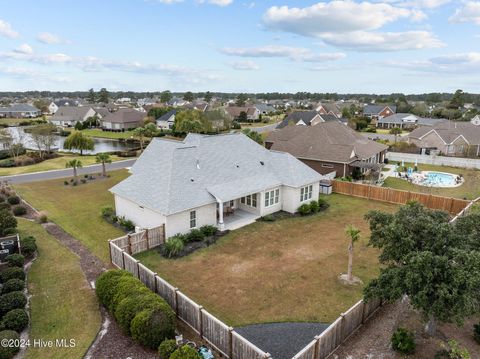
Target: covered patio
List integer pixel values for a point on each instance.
(239, 219)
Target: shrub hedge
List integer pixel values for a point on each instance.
(19, 210)
(166, 348)
(208, 230)
(12, 273)
(13, 200)
(403, 341)
(13, 285)
(8, 352)
(195, 235)
(185, 352)
(476, 332)
(16, 319)
(15, 260)
(12, 300)
(28, 245)
(173, 246)
(141, 313)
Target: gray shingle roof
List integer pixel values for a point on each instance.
(173, 176)
(449, 131)
(296, 116)
(125, 115)
(327, 141)
(376, 109)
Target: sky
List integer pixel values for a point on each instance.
(240, 45)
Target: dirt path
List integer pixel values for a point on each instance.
(110, 341)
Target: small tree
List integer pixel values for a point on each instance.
(241, 99)
(91, 96)
(78, 141)
(208, 96)
(140, 134)
(165, 96)
(8, 223)
(353, 235)
(74, 164)
(103, 95)
(103, 158)
(188, 96)
(396, 131)
(253, 135)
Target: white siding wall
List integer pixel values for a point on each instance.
(180, 222)
(90, 113)
(271, 209)
(291, 197)
(142, 217)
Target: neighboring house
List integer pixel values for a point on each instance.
(253, 114)
(52, 108)
(146, 102)
(101, 112)
(264, 108)
(199, 106)
(475, 120)
(68, 116)
(122, 120)
(328, 108)
(329, 147)
(201, 181)
(379, 111)
(167, 120)
(309, 118)
(407, 120)
(20, 110)
(449, 138)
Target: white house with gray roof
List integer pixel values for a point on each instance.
(226, 180)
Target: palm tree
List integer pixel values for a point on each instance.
(396, 131)
(74, 164)
(353, 235)
(140, 133)
(103, 158)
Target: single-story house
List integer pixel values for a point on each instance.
(101, 111)
(379, 111)
(122, 120)
(201, 181)
(475, 120)
(20, 110)
(264, 109)
(253, 114)
(407, 120)
(308, 118)
(449, 138)
(68, 116)
(329, 147)
(167, 120)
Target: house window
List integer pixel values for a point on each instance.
(306, 193)
(272, 197)
(250, 200)
(193, 219)
(451, 149)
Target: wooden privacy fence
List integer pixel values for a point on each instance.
(222, 337)
(141, 241)
(385, 194)
(325, 344)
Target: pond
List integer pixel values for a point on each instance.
(101, 144)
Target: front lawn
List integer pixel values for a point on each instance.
(278, 271)
(62, 305)
(470, 189)
(77, 208)
(53, 164)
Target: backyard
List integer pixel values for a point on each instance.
(53, 164)
(470, 189)
(95, 132)
(77, 208)
(278, 271)
(55, 283)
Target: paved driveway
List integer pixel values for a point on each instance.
(281, 340)
(267, 128)
(67, 172)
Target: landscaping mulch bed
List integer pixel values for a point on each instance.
(372, 340)
(194, 246)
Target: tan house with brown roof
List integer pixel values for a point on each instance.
(253, 114)
(328, 147)
(122, 120)
(450, 138)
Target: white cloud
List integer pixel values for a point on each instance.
(221, 3)
(350, 25)
(383, 41)
(24, 49)
(48, 38)
(6, 30)
(470, 12)
(30, 74)
(245, 65)
(169, 1)
(293, 53)
(452, 64)
(419, 4)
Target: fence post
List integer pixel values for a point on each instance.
(230, 343)
(369, 192)
(267, 356)
(138, 269)
(129, 238)
(316, 347)
(146, 235)
(175, 300)
(123, 259)
(155, 282)
(164, 234)
(109, 249)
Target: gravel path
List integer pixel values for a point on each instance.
(282, 340)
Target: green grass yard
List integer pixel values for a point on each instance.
(77, 209)
(95, 132)
(278, 271)
(56, 283)
(470, 189)
(53, 164)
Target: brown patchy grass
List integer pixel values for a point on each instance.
(278, 271)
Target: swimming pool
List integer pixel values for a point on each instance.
(439, 179)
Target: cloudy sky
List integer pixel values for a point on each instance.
(410, 46)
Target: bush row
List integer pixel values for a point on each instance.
(142, 314)
(108, 213)
(169, 349)
(313, 207)
(175, 244)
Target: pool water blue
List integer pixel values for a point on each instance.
(442, 179)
